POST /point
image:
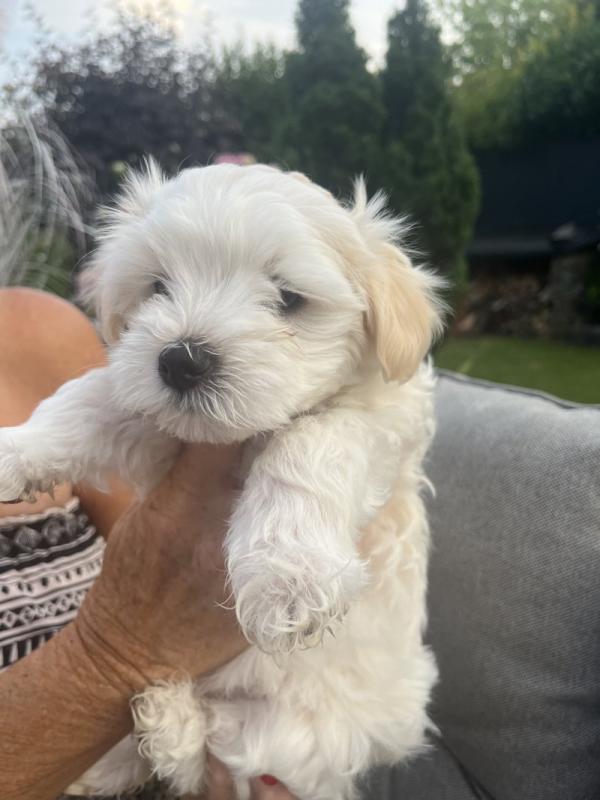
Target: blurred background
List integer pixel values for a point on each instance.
(480, 119)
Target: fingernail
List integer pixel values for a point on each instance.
(269, 780)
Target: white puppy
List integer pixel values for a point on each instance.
(246, 304)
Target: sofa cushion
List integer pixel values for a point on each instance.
(436, 776)
(514, 598)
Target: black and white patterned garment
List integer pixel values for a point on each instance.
(48, 561)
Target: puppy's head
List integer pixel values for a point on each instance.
(235, 298)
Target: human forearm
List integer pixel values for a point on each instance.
(40, 754)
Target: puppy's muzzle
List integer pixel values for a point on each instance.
(185, 365)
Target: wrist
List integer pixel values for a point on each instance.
(100, 690)
(120, 661)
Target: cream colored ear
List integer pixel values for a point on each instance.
(404, 314)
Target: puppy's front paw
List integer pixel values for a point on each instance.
(289, 594)
(282, 613)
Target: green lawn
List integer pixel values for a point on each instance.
(564, 370)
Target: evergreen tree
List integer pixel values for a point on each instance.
(558, 94)
(494, 42)
(429, 171)
(251, 89)
(335, 114)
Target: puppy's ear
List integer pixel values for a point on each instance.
(404, 313)
(103, 284)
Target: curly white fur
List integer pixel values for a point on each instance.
(327, 546)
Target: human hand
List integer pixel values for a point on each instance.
(157, 610)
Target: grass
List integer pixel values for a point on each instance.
(567, 371)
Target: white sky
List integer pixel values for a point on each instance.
(256, 19)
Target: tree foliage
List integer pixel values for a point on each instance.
(497, 34)
(334, 113)
(250, 86)
(131, 92)
(501, 48)
(429, 168)
(558, 93)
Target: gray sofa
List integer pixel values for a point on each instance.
(514, 600)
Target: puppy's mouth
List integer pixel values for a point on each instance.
(203, 401)
(204, 414)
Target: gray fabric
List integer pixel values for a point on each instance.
(434, 776)
(514, 597)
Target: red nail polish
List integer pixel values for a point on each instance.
(269, 780)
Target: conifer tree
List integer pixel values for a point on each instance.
(428, 169)
(335, 111)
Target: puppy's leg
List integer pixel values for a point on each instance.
(120, 770)
(77, 434)
(292, 545)
(171, 723)
(257, 737)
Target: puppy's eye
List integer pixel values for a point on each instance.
(290, 301)
(159, 287)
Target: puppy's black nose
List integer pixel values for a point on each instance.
(183, 365)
